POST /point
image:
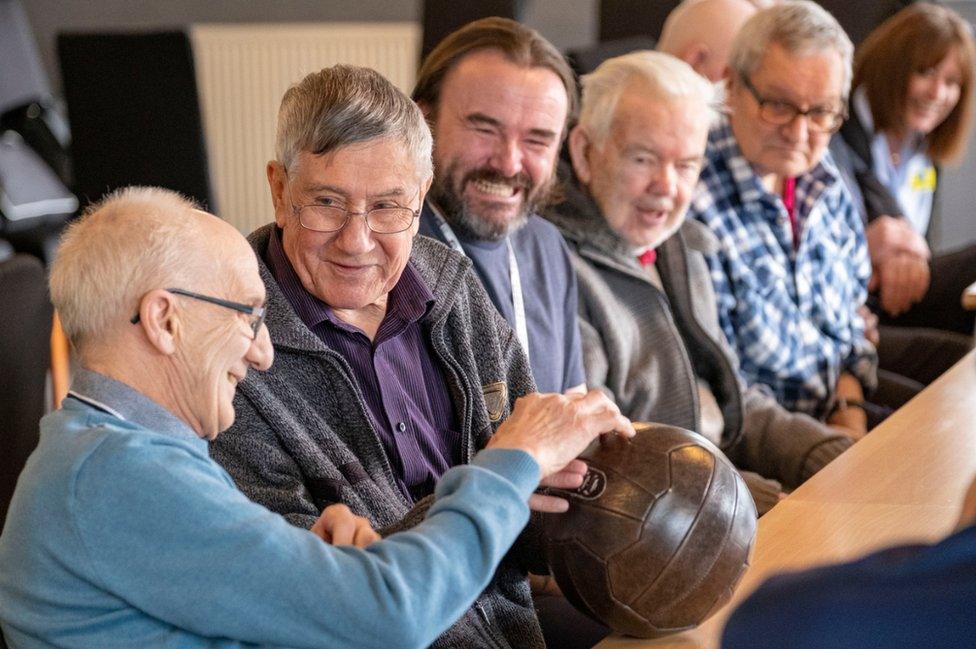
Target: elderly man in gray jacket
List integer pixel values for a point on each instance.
(392, 363)
(648, 315)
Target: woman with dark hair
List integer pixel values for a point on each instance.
(910, 113)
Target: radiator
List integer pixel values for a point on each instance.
(242, 72)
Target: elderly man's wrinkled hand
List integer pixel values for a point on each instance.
(339, 526)
(555, 428)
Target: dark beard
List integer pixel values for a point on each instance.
(469, 225)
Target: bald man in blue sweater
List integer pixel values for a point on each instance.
(124, 533)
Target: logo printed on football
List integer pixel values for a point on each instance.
(594, 484)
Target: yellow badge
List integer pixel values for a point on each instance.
(924, 181)
(496, 396)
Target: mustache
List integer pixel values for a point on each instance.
(518, 181)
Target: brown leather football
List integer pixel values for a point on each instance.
(658, 535)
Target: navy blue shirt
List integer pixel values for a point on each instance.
(414, 418)
(548, 289)
(903, 598)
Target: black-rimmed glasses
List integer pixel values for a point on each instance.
(256, 313)
(776, 111)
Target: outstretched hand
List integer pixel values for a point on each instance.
(555, 428)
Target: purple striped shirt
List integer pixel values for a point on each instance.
(414, 419)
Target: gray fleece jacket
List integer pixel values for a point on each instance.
(649, 347)
(302, 439)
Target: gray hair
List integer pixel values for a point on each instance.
(801, 28)
(133, 241)
(664, 75)
(343, 105)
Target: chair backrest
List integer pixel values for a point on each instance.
(25, 352)
(134, 112)
(586, 60)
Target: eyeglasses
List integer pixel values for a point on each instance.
(256, 313)
(381, 220)
(329, 218)
(778, 112)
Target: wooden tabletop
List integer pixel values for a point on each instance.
(902, 483)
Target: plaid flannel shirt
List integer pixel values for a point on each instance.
(790, 315)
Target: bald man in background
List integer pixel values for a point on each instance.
(700, 33)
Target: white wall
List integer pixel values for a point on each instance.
(567, 23)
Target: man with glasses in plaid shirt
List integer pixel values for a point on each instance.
(792, 270)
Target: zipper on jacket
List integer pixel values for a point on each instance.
(464, 418)
(597, 256)
(490, 635)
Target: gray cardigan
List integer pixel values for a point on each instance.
(302, 439)
(649, 348)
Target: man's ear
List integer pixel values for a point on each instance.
(277, 181)
(159, 321)
(424, 188)
(579, 149)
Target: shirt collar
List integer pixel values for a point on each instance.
(723, 143)
(411, 299)
(123, 401)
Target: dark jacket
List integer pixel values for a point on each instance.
(302, 438)
(910, 597)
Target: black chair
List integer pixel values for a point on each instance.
(626, 18)
(25, 353)
(134, 112)
(586, 60)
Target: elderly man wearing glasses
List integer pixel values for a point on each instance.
(123, 532)
(392, 365)
(792, 267)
